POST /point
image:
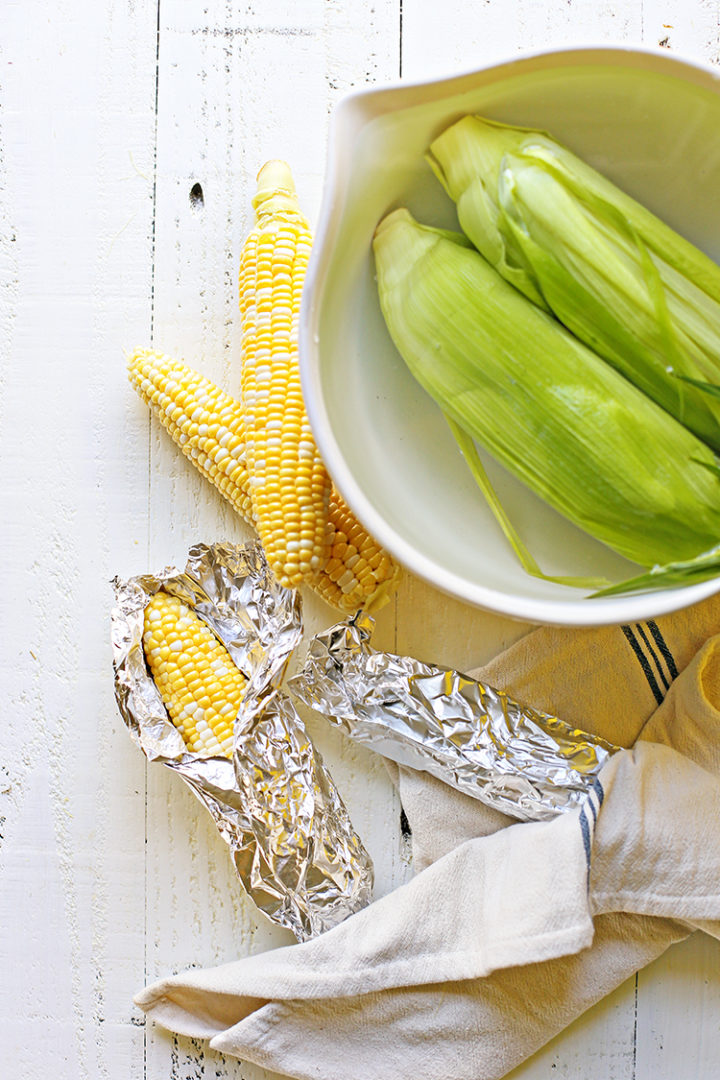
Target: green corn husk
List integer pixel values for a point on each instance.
(625, 283)
(557, 416)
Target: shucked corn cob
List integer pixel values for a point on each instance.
(359, 573)
(620, 279)
(289, 485)
(196, 678)
(207, 425)
(564, 421)
(204, 421)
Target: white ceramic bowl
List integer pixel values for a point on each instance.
(647, 120)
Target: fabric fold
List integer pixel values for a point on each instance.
(481, 907)
(454, 1031)
(657, 846)
(504, 937)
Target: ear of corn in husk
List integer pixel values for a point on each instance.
(208, 425)
(556, 415)
(468, 449)
(622, 281)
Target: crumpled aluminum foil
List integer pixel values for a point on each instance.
(275, 804)
(471, 736)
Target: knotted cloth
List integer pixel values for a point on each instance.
(508, 931)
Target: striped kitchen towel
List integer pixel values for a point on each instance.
(607, 680)
(503, 937)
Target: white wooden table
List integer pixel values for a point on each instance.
(111, 874)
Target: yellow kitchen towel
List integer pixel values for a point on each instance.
(484, 956)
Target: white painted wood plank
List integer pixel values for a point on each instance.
(690, 29)
(238, 84)
(599, 1044)
(77, 130)
(678, 1022)
(441, 38)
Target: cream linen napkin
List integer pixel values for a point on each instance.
(426, 981)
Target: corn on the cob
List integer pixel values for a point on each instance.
(289, 485)
(207, 425)
(359, 573)
(619, 278)
(196, 678)
(555, 414)
(204, 421)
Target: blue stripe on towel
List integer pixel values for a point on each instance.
(591, 803)
(643, 661)
(587, 842)
(653, 654)
(663, 647)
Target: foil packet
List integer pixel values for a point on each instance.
(471, 736)
(274, 803)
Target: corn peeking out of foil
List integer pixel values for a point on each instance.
(198, 658)
(196, 678)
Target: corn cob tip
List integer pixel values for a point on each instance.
(275, 189)
(201, 419)
(274, 174)
(393, 218)
(134, 356)
(384, 591)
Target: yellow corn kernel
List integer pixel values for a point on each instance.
(204, 421)
(359, 573)
(208, 426)
(196, 678)
(289, 485)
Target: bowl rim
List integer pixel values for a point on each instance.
(351, 113)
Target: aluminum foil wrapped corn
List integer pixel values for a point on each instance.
(467, 734)
(198, 658)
